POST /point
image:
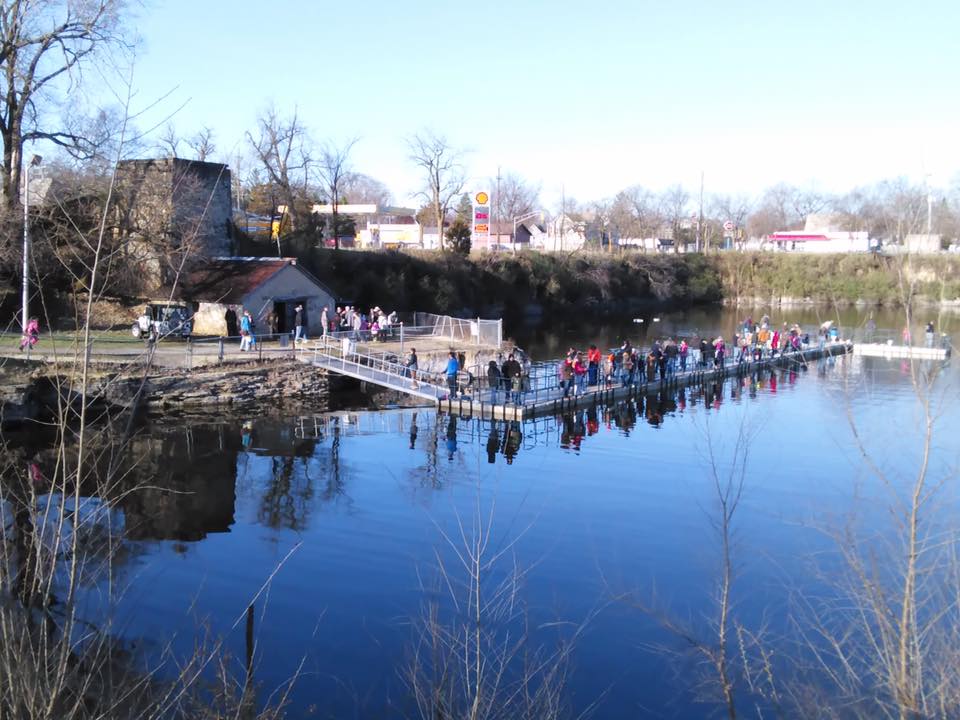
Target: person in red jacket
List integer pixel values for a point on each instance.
(593, 365)
(580, 372)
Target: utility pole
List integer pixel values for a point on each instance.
(563, 215)
(700, 247)
(496, 213)
(25, 299)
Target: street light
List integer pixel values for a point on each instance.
(34, 162)
(521, 218)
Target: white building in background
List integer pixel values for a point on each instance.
(820, 242)
(563, 234)
(820, 234)
(383, 226)
(922, 244)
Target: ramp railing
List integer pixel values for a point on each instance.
(385, 369)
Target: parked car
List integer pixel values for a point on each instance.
(161, 320)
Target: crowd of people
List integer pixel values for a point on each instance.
(626, 365)
(376, 324)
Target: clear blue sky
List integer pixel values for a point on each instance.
(586, 96)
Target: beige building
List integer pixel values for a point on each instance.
(270, 288)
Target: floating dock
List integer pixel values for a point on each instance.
(476, 401)
(552, 401)
(901, 351)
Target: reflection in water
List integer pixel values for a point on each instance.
(512, 441)
(191, 473)
(259, 478)
(493, 442)
(451, 442)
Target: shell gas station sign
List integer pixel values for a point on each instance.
(481, 219)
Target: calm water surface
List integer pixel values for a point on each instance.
(340, 516)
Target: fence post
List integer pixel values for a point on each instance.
(401, 338)
(220, 350)
(478, 332)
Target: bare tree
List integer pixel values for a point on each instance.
(675, 200)
(807, 203)
(169, 141)
(360, 188)
(636, 213)
(59, 535)
(284, 151)
(43, 45)
(726, 208)
(202, 144)
(333, 169)
(474, 654)
(513, 197)
(735, 664)
(443, 172)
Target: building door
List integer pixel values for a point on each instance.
(280, 311)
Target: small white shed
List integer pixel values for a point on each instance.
(270, 288)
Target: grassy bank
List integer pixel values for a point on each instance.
(514, 284)
(772, 277)
(604, 285)
(576, 286)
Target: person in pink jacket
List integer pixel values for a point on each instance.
(31, 334)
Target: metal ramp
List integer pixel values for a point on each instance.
(383, 369)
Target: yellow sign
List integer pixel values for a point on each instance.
(482, 198)
(480, 228)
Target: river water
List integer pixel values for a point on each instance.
(332, 524)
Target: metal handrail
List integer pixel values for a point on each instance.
(393, 373)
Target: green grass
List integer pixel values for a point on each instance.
(62, 339)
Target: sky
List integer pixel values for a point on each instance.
(582, 98)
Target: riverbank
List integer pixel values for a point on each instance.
(567, 285)
(30, 392)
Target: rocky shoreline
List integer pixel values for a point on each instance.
(30, 393)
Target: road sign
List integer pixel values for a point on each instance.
(481, 218)
(728, 226)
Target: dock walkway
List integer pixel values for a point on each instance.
(914, 352)
(545, 398)
(550, 401)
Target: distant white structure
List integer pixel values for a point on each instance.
(563, 234)
(922, 243)
(383, 226)
(820, 235)
(820, 242)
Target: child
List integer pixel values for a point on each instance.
(31, 335)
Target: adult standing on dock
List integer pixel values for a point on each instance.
(493, 380)
(511, 377)
(593, 365)
(412, 365)
(453, 367)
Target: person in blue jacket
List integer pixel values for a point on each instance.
(453, 367)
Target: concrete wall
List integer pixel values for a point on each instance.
(170, 206)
